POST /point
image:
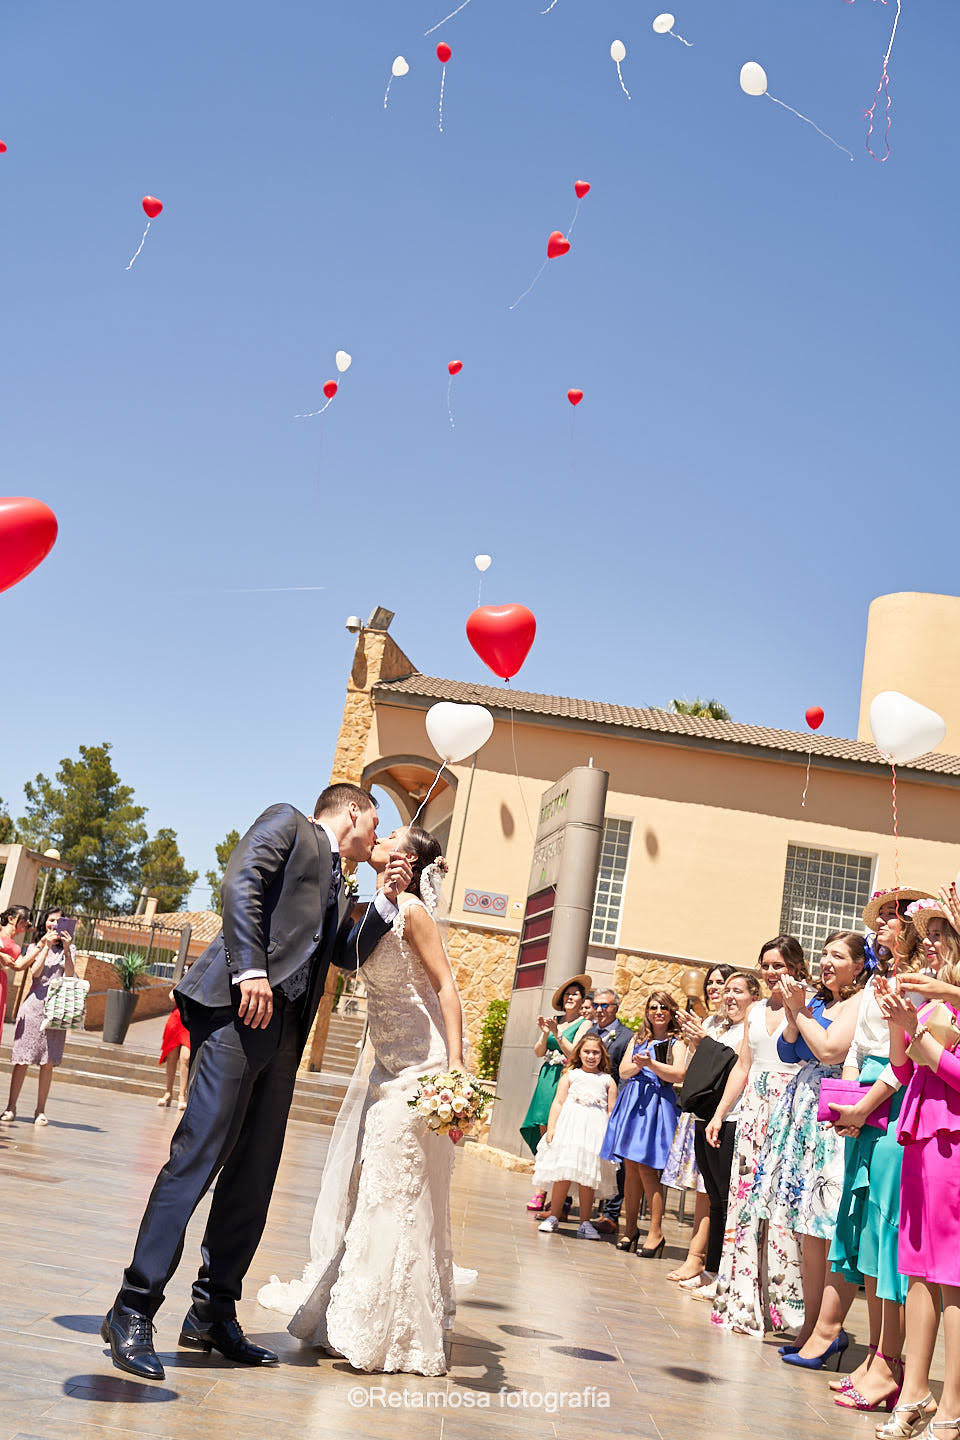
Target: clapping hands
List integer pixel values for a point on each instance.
(898, 1011)
(793, 994)
(691, 1028)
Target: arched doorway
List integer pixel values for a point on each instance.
(407, 779)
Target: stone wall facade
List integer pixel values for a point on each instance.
(483, 961)
(377, 657)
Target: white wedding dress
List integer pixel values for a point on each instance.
(379, 1288)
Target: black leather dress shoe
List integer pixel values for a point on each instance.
(130, 1337)
(226, 1337)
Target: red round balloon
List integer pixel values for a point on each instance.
(581, 187)
(151, 206)
(443, 52)
(574, 396)
(330, 388)
(502, 635)
(455, 367)
(28, 529)
(556, 244)
(814, 717)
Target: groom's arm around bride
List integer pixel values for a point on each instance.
(249, 1002)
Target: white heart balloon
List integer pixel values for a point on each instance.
(400, 66)
(753, 78)
(663, 24)
(483, 562)
(456, 731)
(902, 728)
(618, 51)
(344, 361)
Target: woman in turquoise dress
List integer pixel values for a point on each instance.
(555, 1045)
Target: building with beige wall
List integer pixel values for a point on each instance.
(707, 848)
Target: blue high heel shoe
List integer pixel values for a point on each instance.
(787, 1349)
(817, 1362)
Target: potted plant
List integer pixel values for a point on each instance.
(120, 1004)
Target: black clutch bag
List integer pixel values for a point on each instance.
(706, 1078)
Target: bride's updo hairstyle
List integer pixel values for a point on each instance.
(425, 849)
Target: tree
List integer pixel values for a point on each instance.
(215, 877)
(8, 831)
(164, 872)
(93, 821)
(702, 709)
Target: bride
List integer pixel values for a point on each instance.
(379, 1288)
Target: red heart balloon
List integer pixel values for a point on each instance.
(151, 206)
(814, 717)
(28, 529)
(556, 244)
(3, 147)
(455, 367)
(581, 187)
(443, 52)
(502, 635)
(574, 396)
(330, 388)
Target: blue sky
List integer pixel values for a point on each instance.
(763, 331)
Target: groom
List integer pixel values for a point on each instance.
(249, 1003)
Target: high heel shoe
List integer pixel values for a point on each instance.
(164, 1101)
(654, 1253)
(851, 1399)
(788, 1349)
(909, 1418)
(628, 1242)
(537, 1200)
(845, 1383)
(817, 1362)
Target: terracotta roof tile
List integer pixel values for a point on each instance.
(205, 924)
(654, 722)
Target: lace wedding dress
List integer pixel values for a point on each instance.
(379, 1288)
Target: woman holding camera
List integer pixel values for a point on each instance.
(50, 956)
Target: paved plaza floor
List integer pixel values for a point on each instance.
(550, 1317)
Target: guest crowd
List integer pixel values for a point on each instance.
(818, 1123)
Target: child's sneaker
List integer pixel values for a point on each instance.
(549, 1225)
(586, 1231)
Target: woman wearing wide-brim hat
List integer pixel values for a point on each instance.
(555, 1043)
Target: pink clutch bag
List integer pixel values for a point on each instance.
(848, 1092)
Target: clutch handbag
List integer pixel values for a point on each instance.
(941, 1025)
(834, 1091)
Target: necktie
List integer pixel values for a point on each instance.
(336, 878)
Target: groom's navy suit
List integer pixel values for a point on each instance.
(283, 916)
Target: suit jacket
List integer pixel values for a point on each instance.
(275, 892)
(617, 1046)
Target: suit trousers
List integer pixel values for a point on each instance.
(241, 1086)
(715, 1166)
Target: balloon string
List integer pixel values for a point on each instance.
(529, 287)
(803, 797)
(573, 452)
(516, 769)
(443, 81)
(311, 413)
(423, 802)
(549, 8)
(806, 119)
(386, 93)
(896, 831)
(575, 213)
(883, 89)
(688, 43)
(480, 593)
(140, 246)
(624, 88)
(449, 407)
(447, 17)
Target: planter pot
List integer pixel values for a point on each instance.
(117, 1014)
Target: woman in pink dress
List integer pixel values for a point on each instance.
(929, 1131)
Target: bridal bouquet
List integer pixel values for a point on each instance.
(451, 1104)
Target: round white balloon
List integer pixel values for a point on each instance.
(663, 24)
(456, 731)
(618, 51)
(400, 66)
(344, 361)
(903, 729)
(753, 78)
(483, 562)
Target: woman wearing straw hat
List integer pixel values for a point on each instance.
(555, 1044)
(864, 1248)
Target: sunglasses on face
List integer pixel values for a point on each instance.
(665, 1009)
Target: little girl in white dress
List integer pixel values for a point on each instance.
(569, 1153)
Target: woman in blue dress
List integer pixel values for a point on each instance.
(644, 1120)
